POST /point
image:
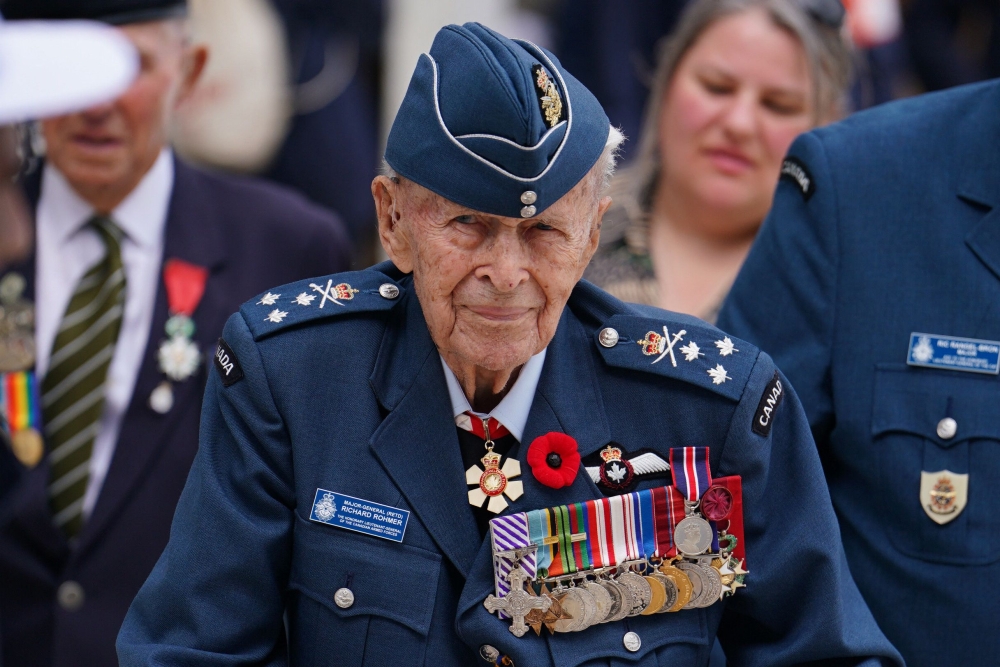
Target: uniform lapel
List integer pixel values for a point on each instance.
(417, 443)
(190, 235)
(979, 179)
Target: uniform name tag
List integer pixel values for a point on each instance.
(955, 354)
(361, 516)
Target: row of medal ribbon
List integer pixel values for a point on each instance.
(656, 550)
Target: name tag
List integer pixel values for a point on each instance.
(361, 516)
(955, 354)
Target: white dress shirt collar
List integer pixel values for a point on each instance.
(513, 409)
(68, 211)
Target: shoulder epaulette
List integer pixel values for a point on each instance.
(316, 298)
(679, 347)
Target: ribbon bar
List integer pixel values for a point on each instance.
(689, 467)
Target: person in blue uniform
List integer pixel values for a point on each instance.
(111, 319)
(874, 285)
(329, 519)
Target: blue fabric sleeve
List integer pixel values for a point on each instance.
(198, 606)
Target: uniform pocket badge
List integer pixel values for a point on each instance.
(943, 494)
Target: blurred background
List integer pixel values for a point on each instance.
(324, 79)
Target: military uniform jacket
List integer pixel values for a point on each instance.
(351, 397)
(248, 234)
(894, 230)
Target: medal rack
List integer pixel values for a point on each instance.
(654, 551)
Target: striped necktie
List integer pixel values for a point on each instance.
(73, 388)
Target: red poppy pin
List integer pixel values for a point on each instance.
(554, 459)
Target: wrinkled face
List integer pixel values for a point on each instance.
(492, 289)
(738, 98)
(117, 142)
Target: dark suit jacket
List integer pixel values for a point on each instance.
(250, 235)
(901, 235)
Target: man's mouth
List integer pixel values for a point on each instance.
(500, 313)
(96, 143)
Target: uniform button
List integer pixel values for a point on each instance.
(388, 291)
(70, 595)
(488, 653)
(528, 197)
(528, 211)
(947, 428)
(608, 337)
(344, 598)
(632, 641)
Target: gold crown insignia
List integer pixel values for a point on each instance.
(610, 453)
(552, 105)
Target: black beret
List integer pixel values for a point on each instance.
(115, 12)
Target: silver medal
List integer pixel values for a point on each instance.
(696, 576)
(601, 598)
(693, 535)
(711, 590)
(615, 593)
(671, 589)
(640, 590)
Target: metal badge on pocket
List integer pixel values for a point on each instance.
(943, 494)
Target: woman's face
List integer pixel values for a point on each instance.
(738, 98)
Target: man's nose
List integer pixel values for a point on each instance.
(506, 263)
(97, 113)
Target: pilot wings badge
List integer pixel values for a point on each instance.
(943, 494)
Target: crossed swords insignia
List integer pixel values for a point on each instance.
(331, 292)
(665, 346)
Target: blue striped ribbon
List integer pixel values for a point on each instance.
(648, 527)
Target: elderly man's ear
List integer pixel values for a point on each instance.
(395, 240)
(192, 67)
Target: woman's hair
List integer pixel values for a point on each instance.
(817, 24)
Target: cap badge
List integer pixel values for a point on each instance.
(548, 96)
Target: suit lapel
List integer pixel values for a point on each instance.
(190, 234)
(417, 443)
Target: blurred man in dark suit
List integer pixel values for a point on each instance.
(138, 260)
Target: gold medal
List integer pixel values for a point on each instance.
(27, 446)
(657, 598)
(685, 589)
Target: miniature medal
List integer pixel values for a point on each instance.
(17, 325)
(178, 355)
(27, 446)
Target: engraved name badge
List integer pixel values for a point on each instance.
(361, 516)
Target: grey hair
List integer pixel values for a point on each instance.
(605, 164)
(827, 48)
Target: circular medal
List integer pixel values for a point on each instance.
(590, 610)
(161, 400)
(615, 593)
(669, 589)
(711, 591)
(717, 503)
(697, 581)
(683, 583)
(693, 535)
(574, 607)
(602, 598)
(657, 597)
(627, 601)
(640, 590)
(27, 446)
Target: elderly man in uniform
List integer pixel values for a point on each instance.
(874, 283)
(377, 446)
(137, 261)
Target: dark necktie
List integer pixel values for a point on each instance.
(74, 386)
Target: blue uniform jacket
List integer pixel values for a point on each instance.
(900, 233)
(352, 398)
(248, 234)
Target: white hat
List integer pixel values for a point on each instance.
(49, 68)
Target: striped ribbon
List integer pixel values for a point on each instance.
(689, 467)
(19, 400)
(508, 533)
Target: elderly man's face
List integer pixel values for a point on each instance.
(491, 288)
(108, 148)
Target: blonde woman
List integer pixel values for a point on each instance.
(736, 83)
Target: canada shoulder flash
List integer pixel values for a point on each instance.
(227, 364)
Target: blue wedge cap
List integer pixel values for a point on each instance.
(494, 124)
